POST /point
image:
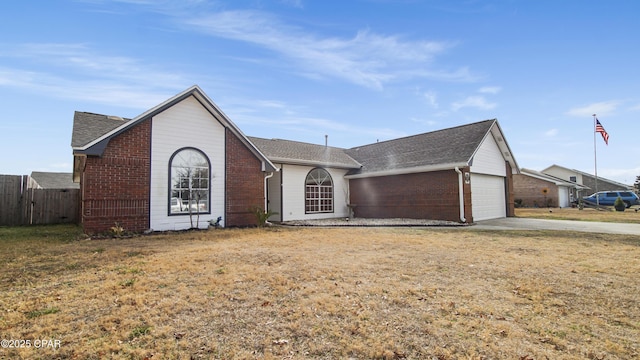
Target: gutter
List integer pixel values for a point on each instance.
(461, 194)
(409, 170)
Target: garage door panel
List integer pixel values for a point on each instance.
(487, 197)
(563, 196)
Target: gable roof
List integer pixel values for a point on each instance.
(54, 180)
(92, 132)
(436, 150)
(300, 153)
(89, 126)
(552, 179)
(590, 176)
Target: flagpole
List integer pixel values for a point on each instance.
(595, 159)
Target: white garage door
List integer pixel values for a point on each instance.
(563, 196)
(488, 197)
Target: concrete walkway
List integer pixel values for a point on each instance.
(544, 224)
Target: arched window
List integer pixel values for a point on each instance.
(318, 192)
(189, 182)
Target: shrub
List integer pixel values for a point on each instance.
(117, 230)
(261, 215)
(619, 205)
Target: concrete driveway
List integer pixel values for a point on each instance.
(543, 224)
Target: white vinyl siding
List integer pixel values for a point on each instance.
(185, 124)
(488, 171)
(488, 197)
(274, 194)
(293, 193)
(488, 159)
(564, 174)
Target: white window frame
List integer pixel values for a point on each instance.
(189, 182)
(318, 192)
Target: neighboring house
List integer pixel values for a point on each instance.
(51, 180)
(185, 156)
(535, 189)
(585, 179)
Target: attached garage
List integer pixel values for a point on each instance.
(488, 196)
(458, 174)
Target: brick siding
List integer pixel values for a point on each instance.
(432, 195)
(511, 209)
(245, 183)
(115, 186)
(603, 185)
(529, 190)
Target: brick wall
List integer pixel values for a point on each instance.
(115, 186)
(529, 190)
(511, 211)
(245, 183)
(432, 195)
(603, 185)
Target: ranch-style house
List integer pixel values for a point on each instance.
(184, 160)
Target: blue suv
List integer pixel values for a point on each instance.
(607, 198)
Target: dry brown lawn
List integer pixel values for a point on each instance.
(587, 214)
(298, 293)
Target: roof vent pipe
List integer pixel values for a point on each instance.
(326, 140)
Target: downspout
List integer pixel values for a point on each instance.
(265, 190)
(461, 195)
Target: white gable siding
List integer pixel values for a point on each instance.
(564, 174)
(488, 159)
(293, 190)
(186, 124)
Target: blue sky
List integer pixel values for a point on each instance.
(358, 71)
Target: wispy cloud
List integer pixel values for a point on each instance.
(635, 107)
(603, 108)
(490, 89)
(283, 116)
(295, 3)
(76, 71)
(431, 98)
(367, 59)
(478, 102)
(551, 133)
(429, 123)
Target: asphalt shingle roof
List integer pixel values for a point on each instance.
(448, 146)
(304, 153)
(88, 127)
(54, 180)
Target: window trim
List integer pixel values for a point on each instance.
(320, 199)
(169, 182)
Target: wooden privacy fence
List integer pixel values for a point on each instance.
(22, 206)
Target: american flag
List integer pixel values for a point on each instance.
(602, 131)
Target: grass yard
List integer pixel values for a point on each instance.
(587, 214)
(298, 293)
